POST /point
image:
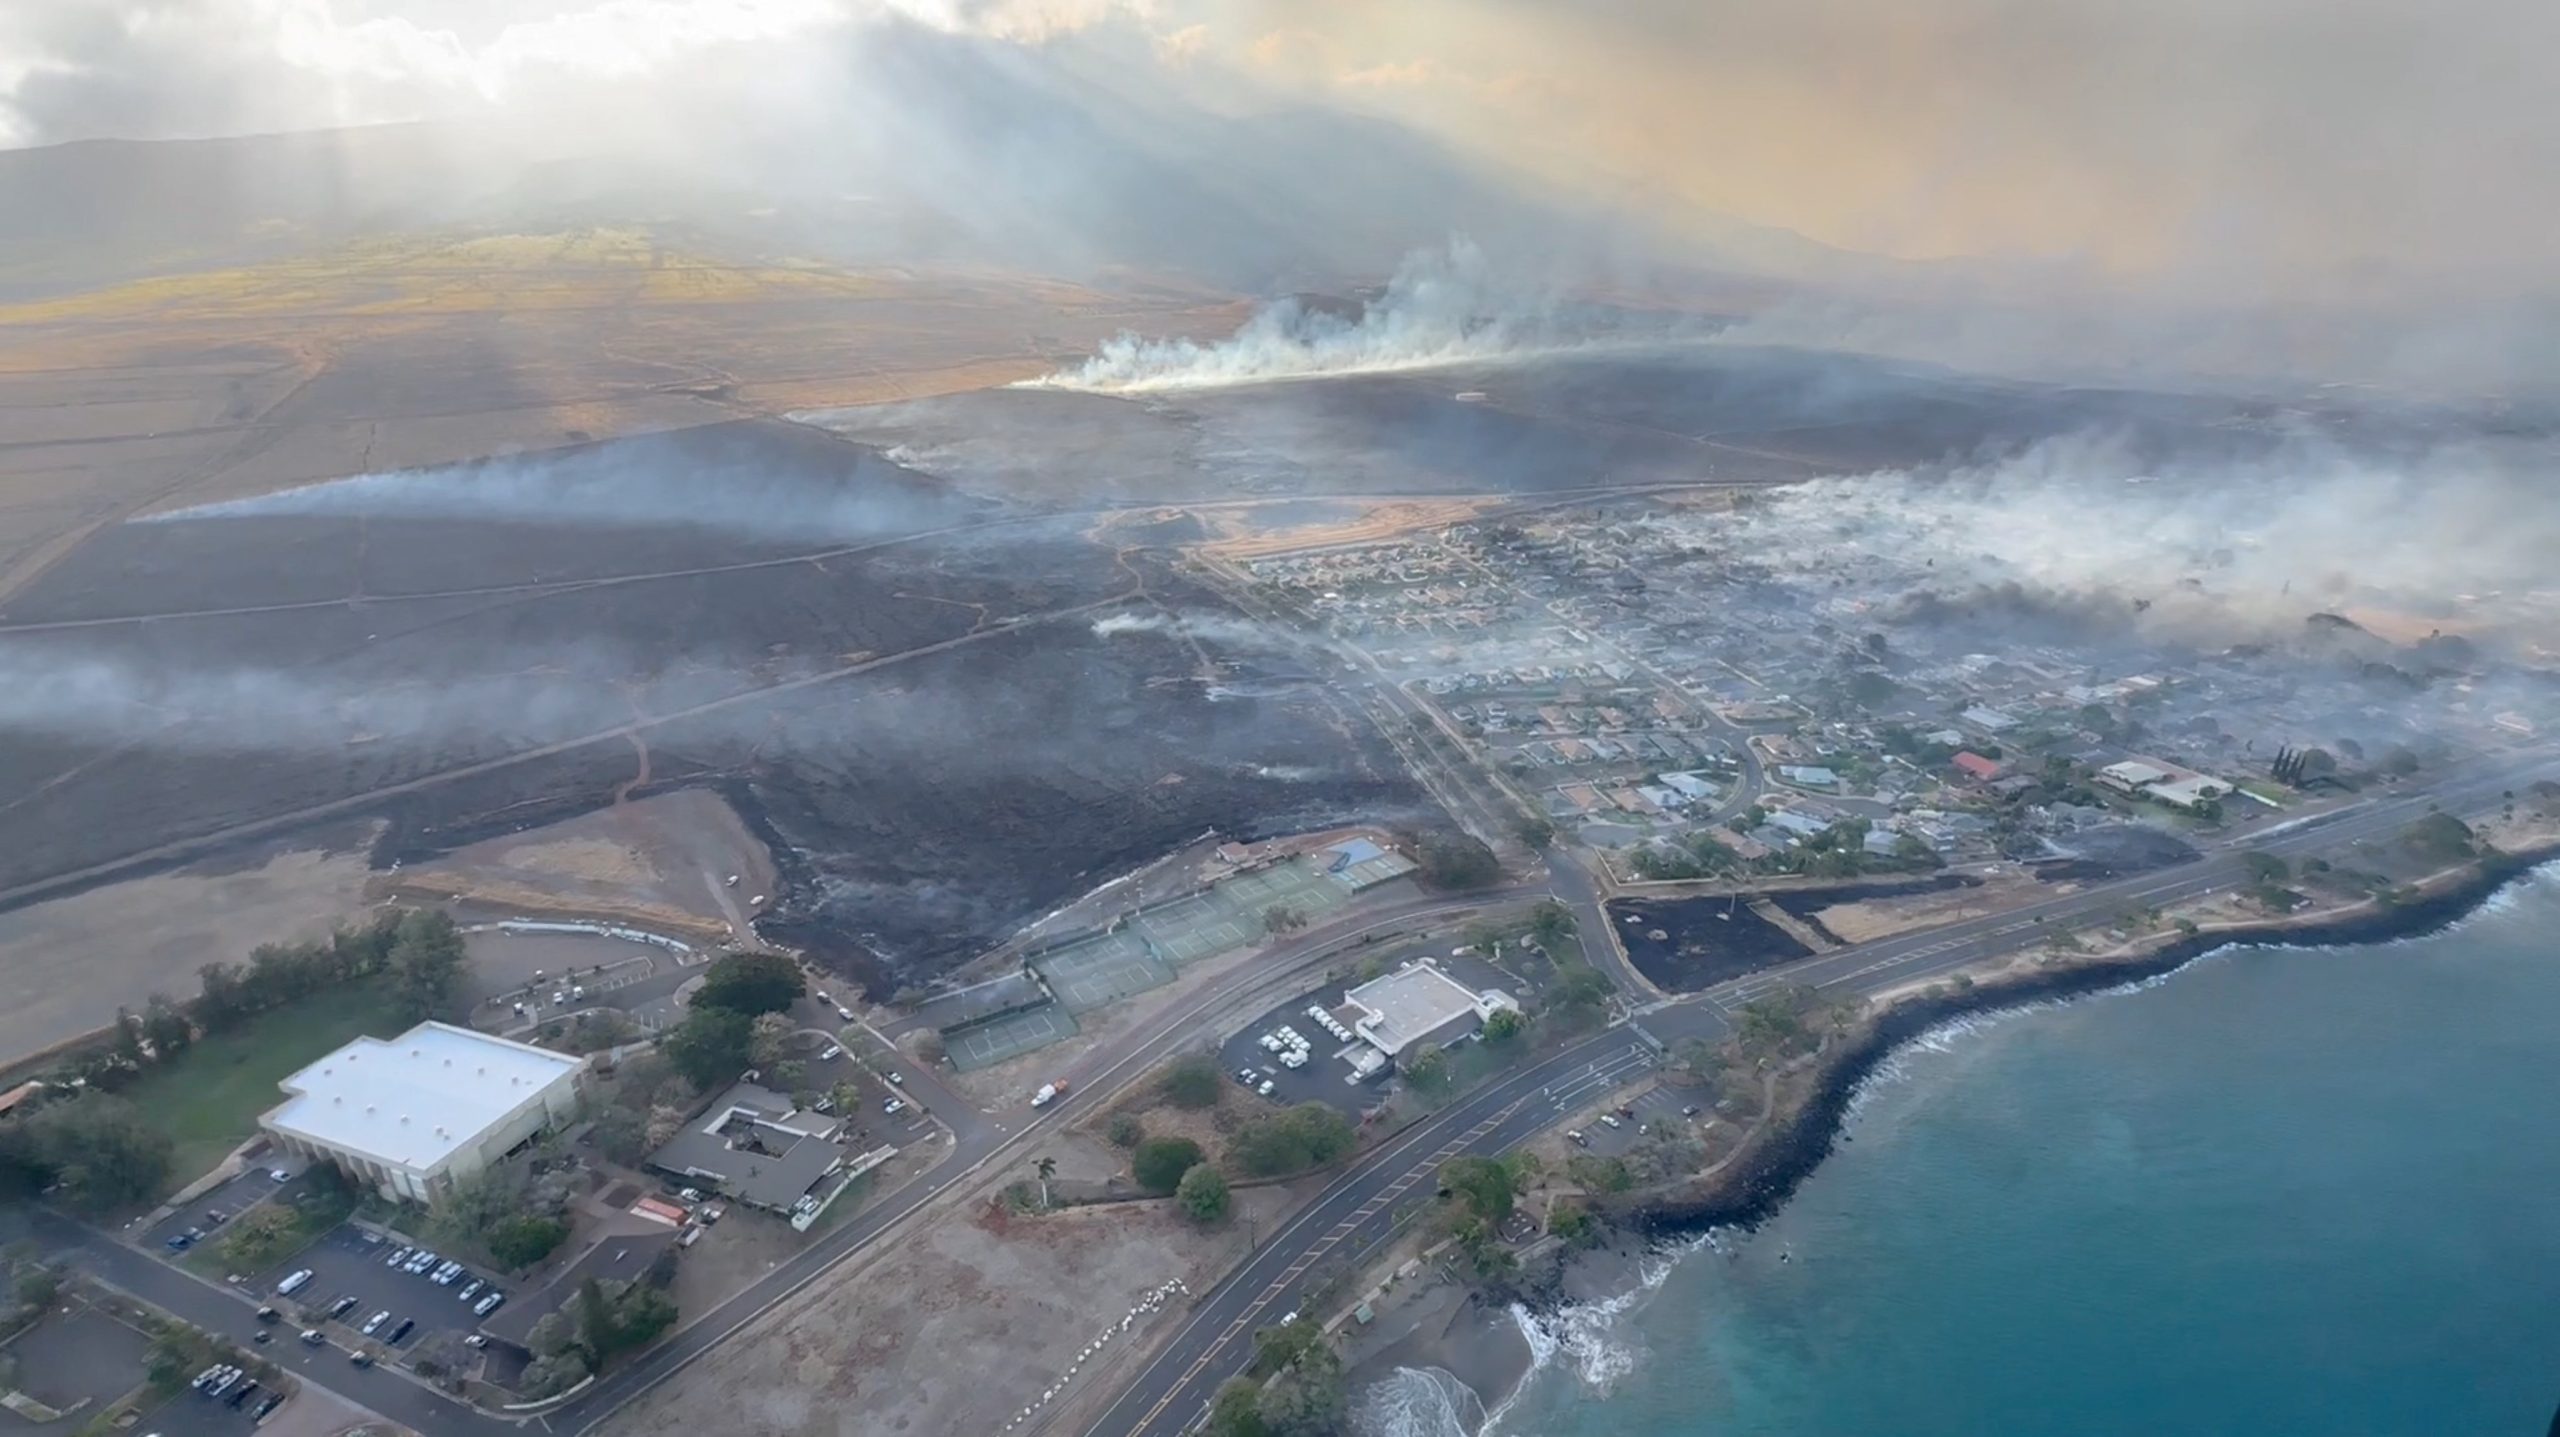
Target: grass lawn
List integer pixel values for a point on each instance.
(208, 1100)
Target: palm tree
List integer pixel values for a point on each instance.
(1047, 1168)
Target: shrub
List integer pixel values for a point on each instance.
(1202, 1194)
(1192, 1081)
(1159, 1163)
(1124, 1131)
(525, 1240)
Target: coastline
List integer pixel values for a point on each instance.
(1495, 1362)
(1769, 1171)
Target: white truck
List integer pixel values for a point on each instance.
(1049, 1093)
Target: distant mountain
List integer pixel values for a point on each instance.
(938, 149)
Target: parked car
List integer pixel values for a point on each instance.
(1611, 1120)
(1575, 1137)
(374, 1323)
(407, 1325)
(476, 1339)
(488, 1304)
(342, 1306)
(832, 1053)
(471, 1289)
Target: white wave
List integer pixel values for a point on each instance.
(1441, 308)
(1593, 1341)
(1417, 1402)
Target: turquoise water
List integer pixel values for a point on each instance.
(2310, 1192)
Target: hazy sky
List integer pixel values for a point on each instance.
(2315, 147)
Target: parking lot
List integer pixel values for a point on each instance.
(229, 1200)
(193, 1412)
(1325, 1077)
(1643, 1108)
(865, 1124)
(347, 1263)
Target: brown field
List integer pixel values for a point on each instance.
(402, 353)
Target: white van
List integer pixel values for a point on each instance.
(295, 1281)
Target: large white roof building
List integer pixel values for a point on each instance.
(1418, 1003)
(415, 1114)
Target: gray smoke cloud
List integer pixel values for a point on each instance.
(2204, 550)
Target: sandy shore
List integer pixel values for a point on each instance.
(1438, 1326)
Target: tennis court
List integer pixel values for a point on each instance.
(1010, 1035)
(1102, 969)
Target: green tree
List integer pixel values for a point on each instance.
(1456, 861)
(553, 1333)
(1304, 1136)
(1044, 1168)
(599, 1328)
(752, 983)
(165, 1027)
(1193, 1081)
(1551, 923)
(2439, 836)
(525, 1239)
(99, 1151)
(37, 1285)
(1484, 1187)
(1159, 1163)
(710, 1046)
(1202, 1194)
(2265, 867)
(1427, 1068)
(426, 961)
(1280, 918)
(1308, 1398)
(1505, 1025)
(1232, 1413)
(1124, 1131)
(1535, 832)
(622, 1134)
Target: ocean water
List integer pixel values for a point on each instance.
(2280, 1192)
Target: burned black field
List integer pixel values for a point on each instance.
(904, 687)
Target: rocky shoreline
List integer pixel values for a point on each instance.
(1481, 1347)
(1764, 1177)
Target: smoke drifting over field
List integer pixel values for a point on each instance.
(644, 484)
(2084, 534)
(193, 709)
(1442, 307)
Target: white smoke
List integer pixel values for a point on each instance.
(613, 486)
(1210, 628)
(1442, 307)
(2221, 549)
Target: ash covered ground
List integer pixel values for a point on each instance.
(953, 691)
(904, 686)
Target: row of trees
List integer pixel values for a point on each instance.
(421, 954)
(1295, 1388)
(93, 1151)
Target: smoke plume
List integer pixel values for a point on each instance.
(1442, 307)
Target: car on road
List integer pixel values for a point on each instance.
(311, 1337)
(477, 1339)
(280, 1175)
(269, 1314)
(361, 1359)
(895, 1080)
(832, 1053)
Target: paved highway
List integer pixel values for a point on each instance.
(1217, 1340)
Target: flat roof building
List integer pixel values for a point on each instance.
(1419, 1004)
(2131, 776)
(413, 1115)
